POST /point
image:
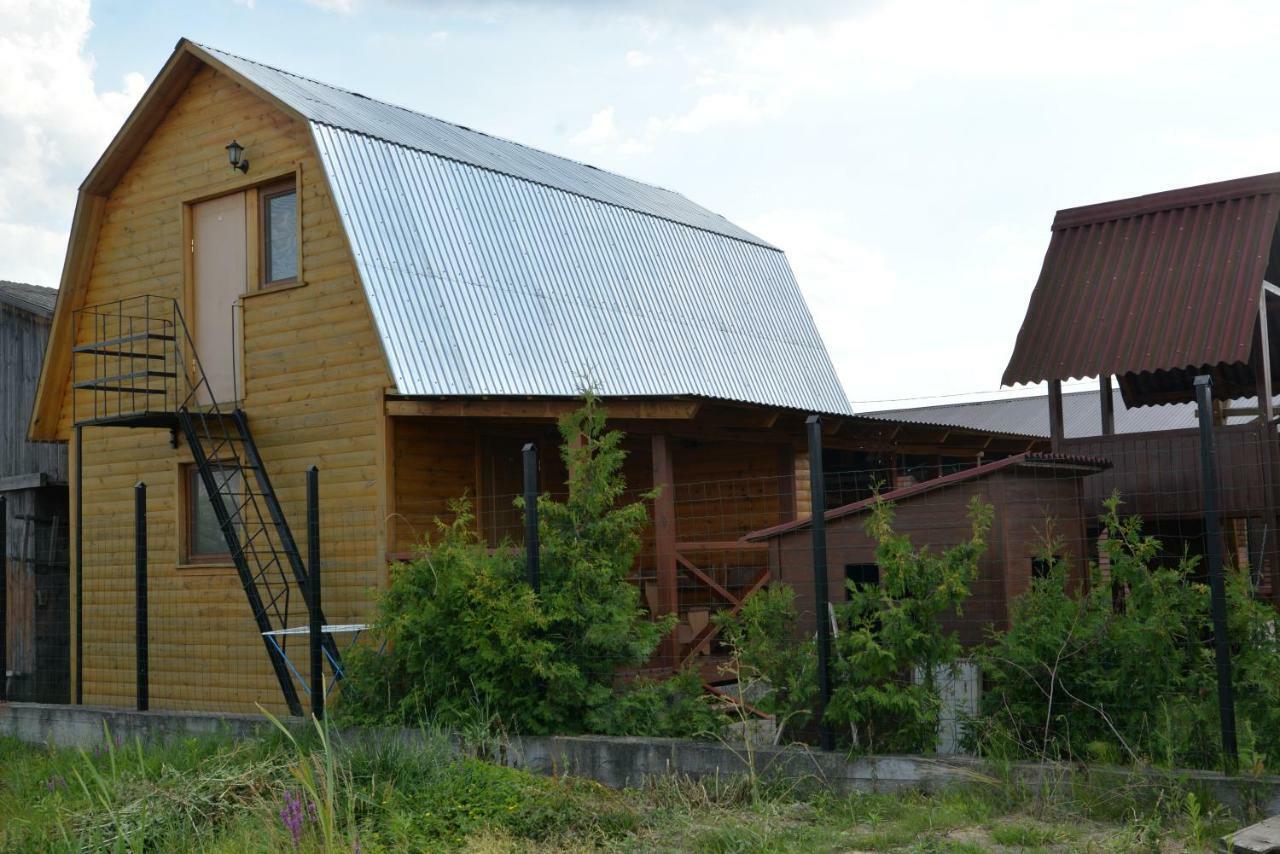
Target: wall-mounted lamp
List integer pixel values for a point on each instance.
(235, 154)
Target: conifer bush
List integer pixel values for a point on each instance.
(460, 634)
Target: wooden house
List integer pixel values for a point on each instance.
(267, 273)
(1155, 291)
(33, 482)
(1038, 513)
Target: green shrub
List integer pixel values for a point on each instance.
(1125, 668)
(661, 708)
(891, 644)
(457, 631)
(767, 650)
(459, 634)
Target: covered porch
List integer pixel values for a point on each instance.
(721, 470)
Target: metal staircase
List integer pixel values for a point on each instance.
(140, 369)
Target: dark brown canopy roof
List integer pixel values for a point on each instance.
(1153, 289)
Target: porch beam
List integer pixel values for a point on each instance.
(668, 410)
(697, 573)
(712, 629)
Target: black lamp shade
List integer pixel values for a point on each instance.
(235, 152)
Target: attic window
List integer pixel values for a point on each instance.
(279, 235)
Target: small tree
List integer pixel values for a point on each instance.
(891, 643)
(589, 545)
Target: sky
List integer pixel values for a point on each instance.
(908, 156)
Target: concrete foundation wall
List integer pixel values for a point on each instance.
(623, 762)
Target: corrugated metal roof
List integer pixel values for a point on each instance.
(482, 284)
(494, 269)
(1066, 463)
(1081, 415)
(1160, 283)
(338, 108)
(33, 298)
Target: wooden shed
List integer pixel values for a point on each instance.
(1036, 497)
(33, 480)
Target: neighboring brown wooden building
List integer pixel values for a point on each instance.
(33, 480)
(1155, 291)
(1036, 499)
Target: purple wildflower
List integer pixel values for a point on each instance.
(296, 814)
(55, 782)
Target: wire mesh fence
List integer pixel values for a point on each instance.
(203, 649)
(730, 537)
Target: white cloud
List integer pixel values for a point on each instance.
(638, 58)
(752, 71)
(248, 4)
(341, 7)
(601, 130)
(53, 125)
(844, 282)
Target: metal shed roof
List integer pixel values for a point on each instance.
(35, 299)
(1064, 464)
(495, 269)
(1152, 289)
(1081, 415)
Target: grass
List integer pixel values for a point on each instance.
(304, 792)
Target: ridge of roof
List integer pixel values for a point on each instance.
(727, 228)
(1182, 197)
(36, 299)
(1028, 458)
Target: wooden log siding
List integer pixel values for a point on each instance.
(313, 372)
(22, 341)
(1158, 474)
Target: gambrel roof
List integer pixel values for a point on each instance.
(492, 268)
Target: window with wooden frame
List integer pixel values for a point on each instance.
(203, 541)
(278, 225)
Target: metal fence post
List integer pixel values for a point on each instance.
(315, 634)
(4, 598)
(531, 546)
(1217, 582)
(79, 613)
(140, 592)
(817, 499)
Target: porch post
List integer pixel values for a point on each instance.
(1055, 415)
(1269, 553)
(1106, 404)
(664, 542)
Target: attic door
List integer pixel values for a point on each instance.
(219, 246)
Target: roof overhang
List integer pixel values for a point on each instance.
(745, 420)
(1155, 290)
